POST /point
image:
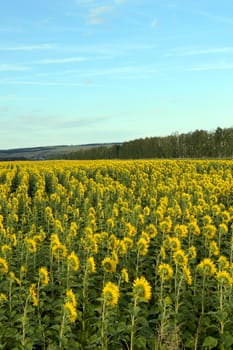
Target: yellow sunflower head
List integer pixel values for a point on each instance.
(142, 289)
(111, 293)
(207, 267)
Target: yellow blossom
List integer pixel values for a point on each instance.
(213, 248)
(14, 278)
(210, 231)
(111, 293)
(180, 258)
(33, 294)
(108, 264)
(6, 248)
(70, 311)
(187, 274)
(207, 267)
(73, 261)
(181, 230)
(3, 297)
(91, 264)
(30, 244)
(165, 271)
(3, 266)
(70, 296)
(174, 243)
(141, 289)
(223, 263)
(192, 252)
(143, 246)
(224, 277)
(125, 275)
(43, 275)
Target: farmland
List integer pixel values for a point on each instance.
(116, 254)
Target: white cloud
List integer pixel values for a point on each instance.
(96, 14)
(13, 68)
(61, 60)
(197, 51)
(39, 83)
(154, 23)
(217, 18)
(28, 47)
(212, 66)
(3, 109)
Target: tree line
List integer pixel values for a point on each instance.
(196, 144)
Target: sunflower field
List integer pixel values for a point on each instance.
(118, 255)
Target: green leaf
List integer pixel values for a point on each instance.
(210, 342)
(141, 343)
(227, 340)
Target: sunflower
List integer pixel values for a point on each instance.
(128, 242)
(71, 297)
(188, 275)
(143, 246)
(30, 244)
(108, 264)
(3, 266)
(163, 252)
(13, 278)
(210, 231)
(3, 297)
(165, 271)
(131, 230)
(181, 230)
(44, 275)
(59, 250)
(151, 230)
(223, 229)
(223, 277)
(33, 294)
(165, 225)
(125, 275)
(207, 267)
(193, 228)
(73, 261)
(223, 263)
(141, 289)
(213, 248)
(111, 293)
(180, 258)
(70, 311)
(174, 243)
(91, 264)
(192, 252)
(6, 248)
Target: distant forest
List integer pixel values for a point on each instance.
(196, 144)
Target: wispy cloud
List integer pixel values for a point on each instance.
(97, 14)
(154, 23)
(3, 109)
(61, 60)
(198, 51)
(13, 68)
(217, 18)
(115, 73)
(40, 83)
(41, 122)
(28, 47)
(212, 66)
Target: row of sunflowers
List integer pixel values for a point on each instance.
(116, 255)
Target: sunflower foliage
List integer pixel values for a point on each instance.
(116, 254)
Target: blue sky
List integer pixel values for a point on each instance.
(87, 71)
